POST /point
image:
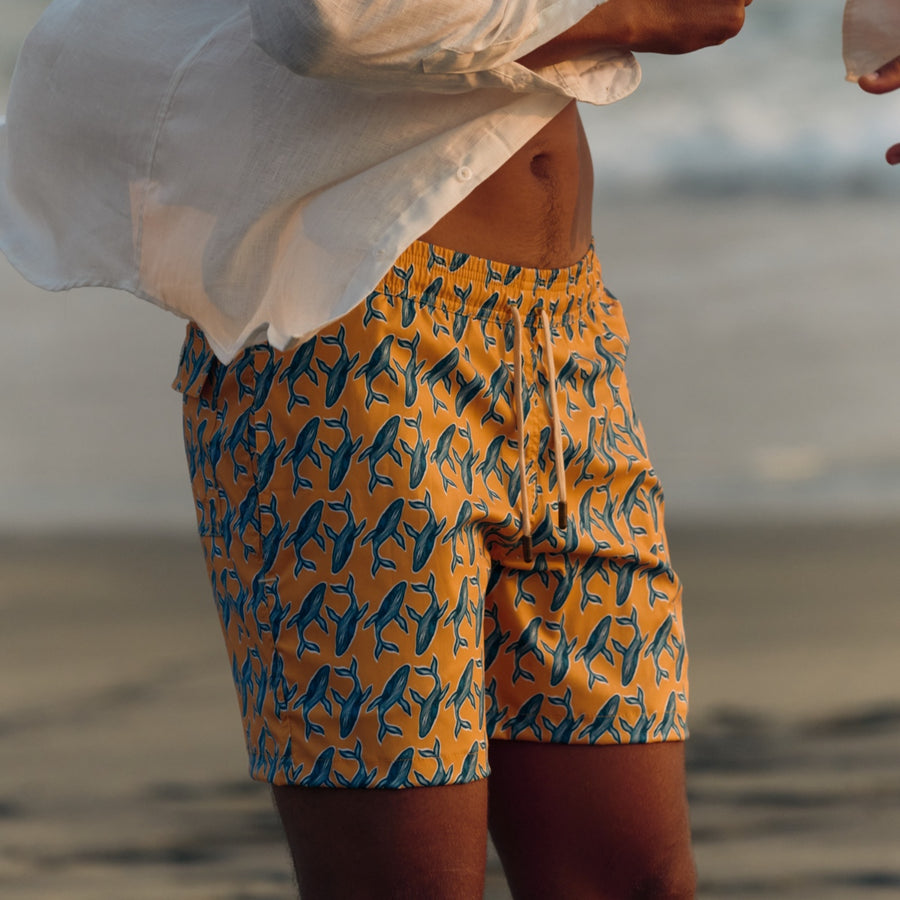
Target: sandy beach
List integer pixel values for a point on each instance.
(122, 771)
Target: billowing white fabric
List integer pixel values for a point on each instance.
(871, 35)
(154, 146)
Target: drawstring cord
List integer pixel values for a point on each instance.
(519, 375)
(520, 436)
(562, 506)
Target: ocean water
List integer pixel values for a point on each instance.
(769, 108)
(746, 218)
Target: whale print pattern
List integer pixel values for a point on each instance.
(360, 505)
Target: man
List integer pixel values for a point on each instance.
(380, 455)
(568, 821)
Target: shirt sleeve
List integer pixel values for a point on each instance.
(430, 45)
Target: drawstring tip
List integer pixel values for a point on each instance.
(526, 548)
(563, 512)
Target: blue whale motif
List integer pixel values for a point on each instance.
(441, 455)
(427, 537)
(659, 644)
(337, 373)
(392, 695)
(341, 456)
(316, 694)
(560, 652)
(525, 645)
(564, 585)
(561, 732)
(604, 722)
(632, 653)
(379, 363)
(442, 774)
(631, 500)
(596, 646)
(348, 621)
(496, 391)
(307, 530)
(264, 380)
(270, 540)
(468, 390)
(427, 621)
(625, 572)
(382, 445)
(300, 366)
(461, 696)
(343, 541)
(439, 373)
(386, 528)
(267, 458)
(462, 527)
(462, 612)
(389, 611)
(418, 455)
(411, 370)
(467, 461)
(469, 770)
(362, 778)
(429, 706)
(491, 464)
(495, 639)
(669, 721)
(494, 713)
(310, 612)
(526, 718)
(304, 448)
(398, 774)
(321, 770)
(239, 439)
(639, 732)
(351, 705)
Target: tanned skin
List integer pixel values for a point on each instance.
(573, 822)
(536, 209)
(887, 78)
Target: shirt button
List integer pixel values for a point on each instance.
(464, 173)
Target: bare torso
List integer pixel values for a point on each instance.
(535, 210)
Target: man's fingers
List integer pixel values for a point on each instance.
(887, 78)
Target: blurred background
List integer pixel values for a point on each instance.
(747, 220)
(745, 217)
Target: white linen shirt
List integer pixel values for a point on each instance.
(257, 166)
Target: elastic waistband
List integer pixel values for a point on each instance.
(488, 289)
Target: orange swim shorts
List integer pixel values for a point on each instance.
(434, 524)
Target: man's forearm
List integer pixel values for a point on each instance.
(650, 26)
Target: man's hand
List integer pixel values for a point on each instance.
(887, 78)
(672, 26)
(645, 26)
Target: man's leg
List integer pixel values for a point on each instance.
(590, 822)
(428, 842)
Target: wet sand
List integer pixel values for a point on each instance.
(122, 771)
